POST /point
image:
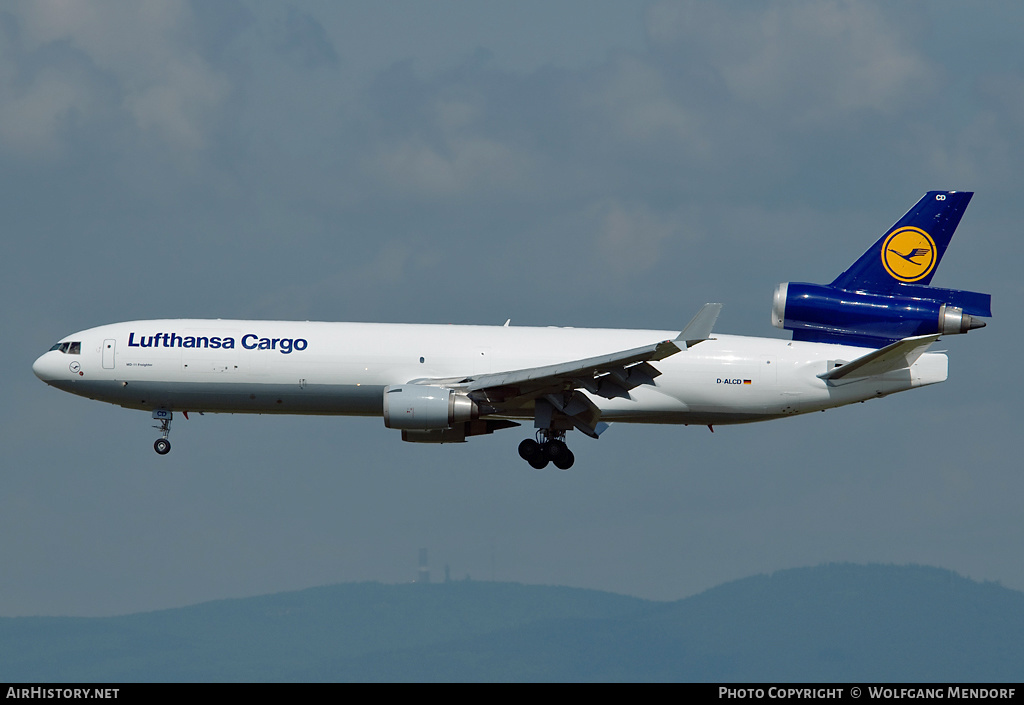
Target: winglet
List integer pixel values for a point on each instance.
(699, 329)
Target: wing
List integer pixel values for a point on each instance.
(607, 376)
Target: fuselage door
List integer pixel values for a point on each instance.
(108, 354)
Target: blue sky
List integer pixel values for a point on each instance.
(607, 164)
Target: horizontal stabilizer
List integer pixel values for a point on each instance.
(897, 356)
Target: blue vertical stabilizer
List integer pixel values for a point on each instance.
(909, 251)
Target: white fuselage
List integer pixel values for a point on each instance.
(343, 368)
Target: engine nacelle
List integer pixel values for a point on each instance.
(822, 313)
(416, 407)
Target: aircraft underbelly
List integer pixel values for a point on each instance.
(243, 397)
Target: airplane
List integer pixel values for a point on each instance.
(863, 336)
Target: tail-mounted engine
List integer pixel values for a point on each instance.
(828, 314)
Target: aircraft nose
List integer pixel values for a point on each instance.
(46, 367)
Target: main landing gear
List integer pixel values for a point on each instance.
(163, 417)
(549, 447)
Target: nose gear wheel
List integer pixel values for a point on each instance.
(163, 418)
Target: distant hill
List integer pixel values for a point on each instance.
(830, 623)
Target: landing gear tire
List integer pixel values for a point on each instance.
(546, 449)
(162, 446)
(533, 452)
(566, 461)
(555, 449)
(558, 453)
(529, 449)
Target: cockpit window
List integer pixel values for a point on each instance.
(71, 348)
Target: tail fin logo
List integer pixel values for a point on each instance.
(908, 254)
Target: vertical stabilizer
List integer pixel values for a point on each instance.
(910, 251)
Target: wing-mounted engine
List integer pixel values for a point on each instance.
(827, 314)
(422, 408)
(447, 410)
(429, 414)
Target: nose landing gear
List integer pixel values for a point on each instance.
(549, 447)
(162, 446)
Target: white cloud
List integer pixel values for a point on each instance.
(460, 165)
(635, 98)
(177, 107)
(30, 117)
(814, 61)
(146, 49)
(631, 236)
